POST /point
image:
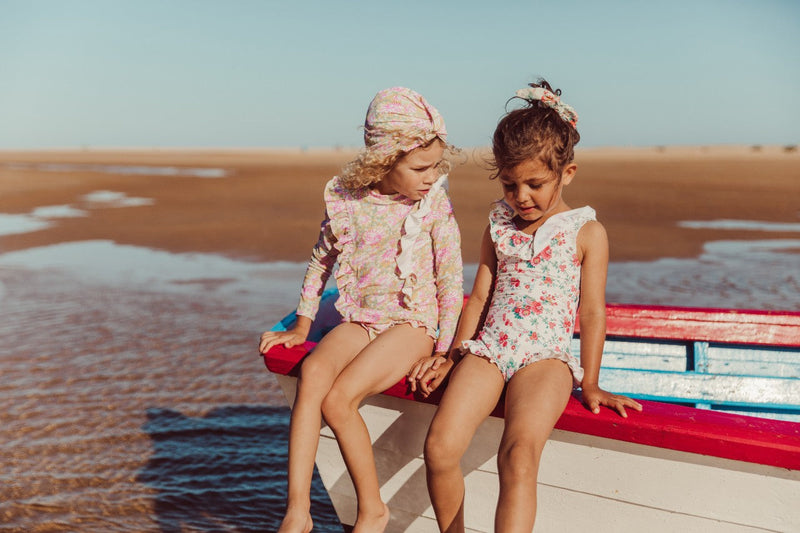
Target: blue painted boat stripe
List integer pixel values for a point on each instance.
(693, 387)
(700, 356)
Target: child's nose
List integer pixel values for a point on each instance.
(431, 175)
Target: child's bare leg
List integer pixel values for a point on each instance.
(380, 365)
(471, 395)
(535, 398)
(317, 375)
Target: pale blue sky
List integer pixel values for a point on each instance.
(266, 73)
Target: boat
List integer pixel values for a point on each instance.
(716, 448)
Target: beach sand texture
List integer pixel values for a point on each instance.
(269, 205)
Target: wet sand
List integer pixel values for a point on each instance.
(269, 204)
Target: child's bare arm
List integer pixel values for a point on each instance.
(430, 375)
(593, 250)
(478, 303)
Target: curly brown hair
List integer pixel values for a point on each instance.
(370, 166)
(535, 131)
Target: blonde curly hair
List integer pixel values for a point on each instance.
(371, 166)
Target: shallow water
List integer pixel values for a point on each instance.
(132, 397)
(134, 400)
(146, 170)
(730, 274)
(46, 216)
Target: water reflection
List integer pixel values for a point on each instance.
(736, 274)
(42, 217)
(132, 398)
(732, 274)
(741, 225)
(12, 224)
(223, 470)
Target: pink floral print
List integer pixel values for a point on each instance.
(361, 232)
(535, 300)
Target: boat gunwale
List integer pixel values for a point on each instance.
(729, 436)
(664, 425)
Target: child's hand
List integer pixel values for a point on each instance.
(429, 372)
(593, 397)
(287, 338)
(297, 335)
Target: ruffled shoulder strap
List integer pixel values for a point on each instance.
(512, 242)
(506, 237)
(500, 218)
(569, 221)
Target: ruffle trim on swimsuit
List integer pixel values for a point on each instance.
(339, 201)
(412, 226)
(508, 367)
(336, 204)
(512, 242)
(366, 320)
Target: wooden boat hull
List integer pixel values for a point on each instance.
(670, 468)
(586, 482)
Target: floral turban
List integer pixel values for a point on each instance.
(399, 120)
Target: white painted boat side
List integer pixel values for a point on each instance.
(585, 482)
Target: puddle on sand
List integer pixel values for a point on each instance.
(736, 274)
(741, 225)
(106, 263)
(139, 170)
(42, 217)
(114, 199)
(12, 224)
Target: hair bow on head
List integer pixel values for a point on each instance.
(552, 101)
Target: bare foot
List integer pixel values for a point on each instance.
(299, 522)
(372, 524)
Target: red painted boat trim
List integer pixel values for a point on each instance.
(704, 432)
(775, 328)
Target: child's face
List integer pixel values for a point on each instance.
(414, 173)
(533, 190)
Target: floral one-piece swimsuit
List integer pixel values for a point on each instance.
(537, 288)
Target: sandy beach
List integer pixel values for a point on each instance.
(268, 205)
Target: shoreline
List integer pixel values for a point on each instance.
(268, 204)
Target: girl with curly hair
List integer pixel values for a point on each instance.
(390, 226)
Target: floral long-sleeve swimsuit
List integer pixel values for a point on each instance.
(536, 293)
(399, 260)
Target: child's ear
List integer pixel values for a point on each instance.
(568, 173)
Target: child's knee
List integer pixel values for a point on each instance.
(519, 458)
(336, 407)
(442, 451)
(315, 371)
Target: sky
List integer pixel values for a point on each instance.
(246, 73)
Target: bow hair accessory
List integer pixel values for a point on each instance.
(552, 101)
